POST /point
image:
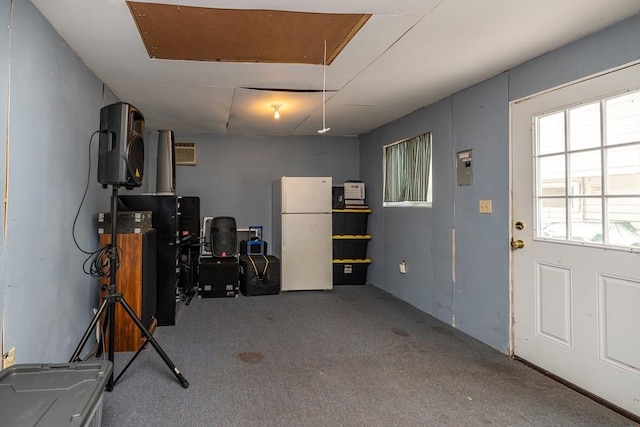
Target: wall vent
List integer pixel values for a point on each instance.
(185, 153)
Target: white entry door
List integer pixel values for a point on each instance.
(576, 245)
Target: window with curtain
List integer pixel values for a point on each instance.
(407, 172)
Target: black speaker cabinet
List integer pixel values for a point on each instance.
(189, 213)
(224, 236)
(121, 146)
(164, 218)
(218, 277)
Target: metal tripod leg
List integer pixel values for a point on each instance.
(108, 303)
(142, 347)
(76, 354)
(153, 342)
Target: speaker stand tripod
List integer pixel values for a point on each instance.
(109, 304)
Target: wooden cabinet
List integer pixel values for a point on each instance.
(136, 281)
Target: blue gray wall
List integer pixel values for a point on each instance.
(234, 173)
(46, 300)
(54, 105)
(470, 288)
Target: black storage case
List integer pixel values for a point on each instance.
(350, 247)
(350, 221)
(218, 277)
(350, 271)
(260, 277)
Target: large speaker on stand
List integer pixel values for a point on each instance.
(224, 236)
(121, 146)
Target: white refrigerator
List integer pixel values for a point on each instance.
(301, 234)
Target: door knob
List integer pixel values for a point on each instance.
(517, 244)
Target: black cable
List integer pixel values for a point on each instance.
(98, 263)
(73, 229)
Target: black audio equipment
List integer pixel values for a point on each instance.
(218, 277)
(224, 236)
(259, 275)
(121, 146)
(164, 218)
(190, 245)
(189, 214)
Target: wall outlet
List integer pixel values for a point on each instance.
(403, 267)
(9, 358)
(485, 207)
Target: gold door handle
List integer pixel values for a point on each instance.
(517, 244)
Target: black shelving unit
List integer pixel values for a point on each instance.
(350, 241)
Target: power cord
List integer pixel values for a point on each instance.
(97, 264)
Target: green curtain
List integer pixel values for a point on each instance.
(407, 169)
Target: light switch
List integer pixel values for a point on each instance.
(485, 207)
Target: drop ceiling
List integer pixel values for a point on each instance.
(407, 54)
(240, 35)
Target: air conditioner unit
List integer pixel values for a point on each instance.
(185, 153)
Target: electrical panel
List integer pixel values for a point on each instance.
(464, 167)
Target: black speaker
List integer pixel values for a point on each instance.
(224, 236)
(121, 146)
(189, 212)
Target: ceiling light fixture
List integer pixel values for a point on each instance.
(276, 113)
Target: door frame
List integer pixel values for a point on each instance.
(512, 103)
(512, 337)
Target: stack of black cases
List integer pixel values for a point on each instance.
(259, 275)
(218, 277)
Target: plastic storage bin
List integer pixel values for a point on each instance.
(53, 395)
(350, 247)
(350, 271)
(350, 221)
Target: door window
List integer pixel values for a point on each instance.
(587, 162)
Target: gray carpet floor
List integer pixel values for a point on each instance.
(355, 356)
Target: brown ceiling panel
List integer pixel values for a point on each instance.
(242, 35)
